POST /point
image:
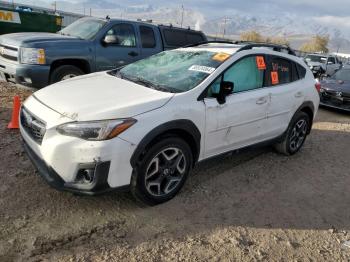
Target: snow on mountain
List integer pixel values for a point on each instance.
(297, 28)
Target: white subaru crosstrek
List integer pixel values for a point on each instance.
(145, 126)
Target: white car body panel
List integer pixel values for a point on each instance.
(246, 118)
(104, 97)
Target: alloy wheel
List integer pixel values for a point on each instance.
(298, 135)
(165, 171)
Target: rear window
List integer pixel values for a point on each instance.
(177, 38)
(301, 71)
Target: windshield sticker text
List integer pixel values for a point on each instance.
(203, 69)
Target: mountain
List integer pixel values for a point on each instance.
(297, 29)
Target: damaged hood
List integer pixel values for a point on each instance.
(100, 96)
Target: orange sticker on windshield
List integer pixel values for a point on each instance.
(220, 57)
(260, 63)
(274, 78)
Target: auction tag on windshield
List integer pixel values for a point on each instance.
(274, 78)
(220, 57)
(260, 62)
(203, 69)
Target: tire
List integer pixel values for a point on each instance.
(296, 134)
(162, 171)
(65, 72)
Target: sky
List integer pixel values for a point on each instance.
(334, 13)
(327, 8)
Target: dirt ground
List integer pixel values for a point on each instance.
(252, 206)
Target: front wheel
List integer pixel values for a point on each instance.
(296, 134)
(162, 172)
(65, 72)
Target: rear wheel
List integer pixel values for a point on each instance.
(65, 72)
(162, 172)
(296, 134)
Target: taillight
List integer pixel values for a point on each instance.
(318, 86)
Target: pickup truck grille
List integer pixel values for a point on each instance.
(9, 52)
(34, 127)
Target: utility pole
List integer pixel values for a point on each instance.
(224, 32)
(90, 11)
(182, 14)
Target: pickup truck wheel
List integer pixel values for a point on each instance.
(162, 172)
(65, 72)
(295, 136)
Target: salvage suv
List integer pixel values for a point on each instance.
(88, 45)
(146, 125)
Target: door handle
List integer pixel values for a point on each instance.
(298, 94)
(261, 101)
(133, 53)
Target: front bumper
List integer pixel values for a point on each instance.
(98, 186)
(335, 102)
(28, 75)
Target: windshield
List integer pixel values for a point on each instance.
(343, 74)
(316, 58)
(173, 71)
(83, 28)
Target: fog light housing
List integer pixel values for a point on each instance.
(86, 174)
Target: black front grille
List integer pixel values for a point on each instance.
(34, 127)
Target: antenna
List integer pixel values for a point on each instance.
(182, 14)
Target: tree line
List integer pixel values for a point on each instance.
(318, 43)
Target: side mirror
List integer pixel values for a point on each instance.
(226, 88)
(111, 39)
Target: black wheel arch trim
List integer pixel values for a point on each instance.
(309, 106)
(174, 126)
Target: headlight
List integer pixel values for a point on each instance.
(96, 130)
(33, 56)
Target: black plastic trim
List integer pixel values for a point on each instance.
(181, 124)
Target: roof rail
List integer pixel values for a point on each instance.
(249, 45)
(274, 47)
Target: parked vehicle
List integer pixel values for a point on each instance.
(88, 45)
(323, 64)
(24, 19)
(335, 91)
(146, 125)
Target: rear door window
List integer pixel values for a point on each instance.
(280, 71)
(148, 39)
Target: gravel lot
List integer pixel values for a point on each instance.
(251, 206)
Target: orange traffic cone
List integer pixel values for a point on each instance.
(14, 124)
